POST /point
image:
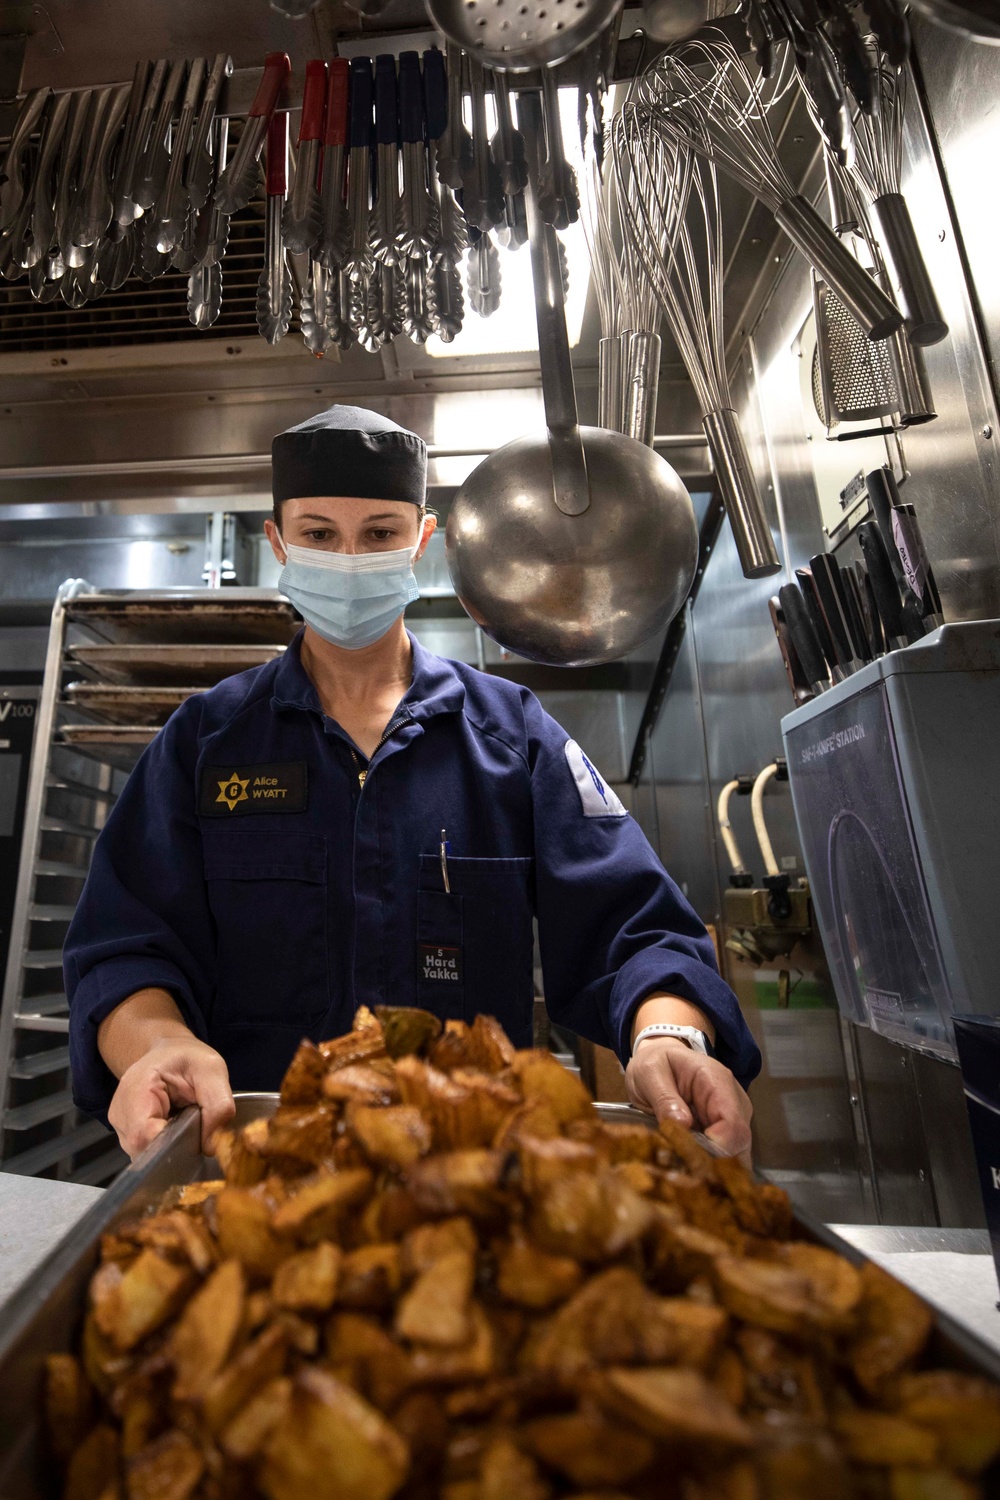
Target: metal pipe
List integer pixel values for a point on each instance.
(208, 463)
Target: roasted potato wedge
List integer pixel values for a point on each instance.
(893, 1327)
(885, 1440)
(962, 1410)
(532, 1278)
(407, 1030)
(543, 1077)
(307, 1282)
(69, 1403)
(592, 1217)
(149, 1292)
(435, 1310)
(93, 1468)
(331, 1445)
(169, 1468)
(807, 1287)
(677, 1405)
(318, 1207)
(588, 1449)
(204, 1335)
(393, 1137)
(370, 1277)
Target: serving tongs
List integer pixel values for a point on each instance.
(235, 187)
(416, 228)
(358, 258)
(12, 178)
(274, 289)
(172, 207)
(204, 299)
(67, 174)
(146, 88)
(152, 170)
(303, 219)
(41, 234)
(452, 239)
(202, 169)
(382, 221)
(94, 206)
(335, 231)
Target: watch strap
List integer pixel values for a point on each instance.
(695, 1039)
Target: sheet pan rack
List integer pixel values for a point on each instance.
(118, 663)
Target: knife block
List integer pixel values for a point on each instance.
(895, 781)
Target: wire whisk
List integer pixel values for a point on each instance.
(629, 349)
(673, 220)
(878, 167)
(713, 105)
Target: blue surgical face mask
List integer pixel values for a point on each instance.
(350, 599)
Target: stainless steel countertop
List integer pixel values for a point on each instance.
(951, 1268)
(35, 1214)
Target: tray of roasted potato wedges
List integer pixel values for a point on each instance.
(432, 1269)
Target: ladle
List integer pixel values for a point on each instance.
(574, 546)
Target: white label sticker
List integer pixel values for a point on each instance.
(597, 800)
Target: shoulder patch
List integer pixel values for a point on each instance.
(597, 800)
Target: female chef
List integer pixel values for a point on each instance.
(360, 822)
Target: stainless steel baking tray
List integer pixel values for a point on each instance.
(158, 665)
(108, 734)
(128, 706)
(195, 616)
(109, 744)
(46, 1314)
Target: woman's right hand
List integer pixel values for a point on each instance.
(174, 1072)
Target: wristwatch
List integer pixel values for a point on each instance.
(695, 1039)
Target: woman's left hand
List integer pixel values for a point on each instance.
(667, 1078)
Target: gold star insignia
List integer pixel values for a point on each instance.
(233, 791)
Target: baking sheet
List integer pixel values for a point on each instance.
(109, 744)
(49, 1307)
(170, 665)
(191, 616)
(128, 706)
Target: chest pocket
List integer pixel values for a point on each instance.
(268, 894)
(484, 927)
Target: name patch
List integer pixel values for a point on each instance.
(232, 791)
(439, 965)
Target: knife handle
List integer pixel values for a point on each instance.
(277, 155)
(361, 102)
(337, 95)
(850, 595)
(794, 671)
(276, 70)
(913, 556)
(824, 570)
(814, 609)
(386, 123)
(411, 98)
(882, 492)
(874, 618)
(883, 583)
(435, 93)
(803, 635)
(313, 102)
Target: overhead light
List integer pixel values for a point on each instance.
(512, 328)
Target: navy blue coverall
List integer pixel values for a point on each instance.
(258, 868)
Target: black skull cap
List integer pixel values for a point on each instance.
(347, 450)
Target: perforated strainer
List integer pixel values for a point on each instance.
(519, 35)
